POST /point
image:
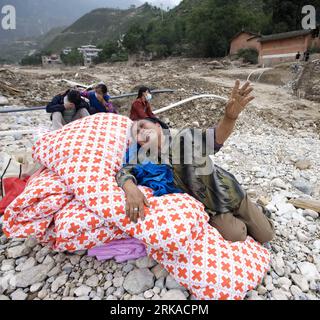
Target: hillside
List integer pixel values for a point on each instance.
(103, 24)
(37, 17)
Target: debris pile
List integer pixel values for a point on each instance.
(308, 83)
(274, 153)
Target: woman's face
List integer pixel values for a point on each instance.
(147, 133)
(145, 94)
(99, 91)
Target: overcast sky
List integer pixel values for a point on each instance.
(166, 3)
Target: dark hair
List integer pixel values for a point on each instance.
(103, 88)
(74, 96)
(142, 90)
(156, 120)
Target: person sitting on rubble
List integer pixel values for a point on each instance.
(229, 208)
(99, 99)
(141, 107)
(67, 107)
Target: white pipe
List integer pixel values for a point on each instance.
(174, 105)
(261, 75)
(263, 71)
(251, 73)
(75, 84)
(213, 96)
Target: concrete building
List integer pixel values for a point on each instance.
(89, 52)
(67, 50)
(276, 48)
(52, 60)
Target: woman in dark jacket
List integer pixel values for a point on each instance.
(67, 107)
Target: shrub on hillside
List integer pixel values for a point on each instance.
(249, 55)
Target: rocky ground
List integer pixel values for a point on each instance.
(274, 153)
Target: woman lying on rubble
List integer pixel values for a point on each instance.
(230, 210)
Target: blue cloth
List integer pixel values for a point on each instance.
(132, 154)
(94, 102)
(157, 177)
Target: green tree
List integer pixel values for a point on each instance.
(32, 60)
(74, 58)
(135, 39)
(213, 23)
(287, 15)
(109, 48)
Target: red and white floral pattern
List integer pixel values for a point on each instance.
(76, 204)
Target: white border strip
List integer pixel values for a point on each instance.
(284, 55)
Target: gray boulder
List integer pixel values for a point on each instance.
(139, 281)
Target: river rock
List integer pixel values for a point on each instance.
(82, 291)
(302, 237)
(303, 164)
(3, 101)
(36, 287)
(278, 295)
(160, 283)
(138, 281)
(278, 265)
(171, 283)
(33, 275)
(310, 213)
(174, 294)
(145, 262)
(93, 281)
(59, 282)
(29, 263)
(159, 271)
(107, 285)
(309, 271)
(303, 185)
(316, 244)
(18, 251)
(41, 255)
(48, 260)
(295, 290)
(148, 294)
(31, 242)
(279, 183)
(54, 271)
(7, 265)
(284, 207)
(118, 282)
(75, 259)
(127, 268)
(119, 292)
(284, 282)
(300, 281)
(19, 295)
